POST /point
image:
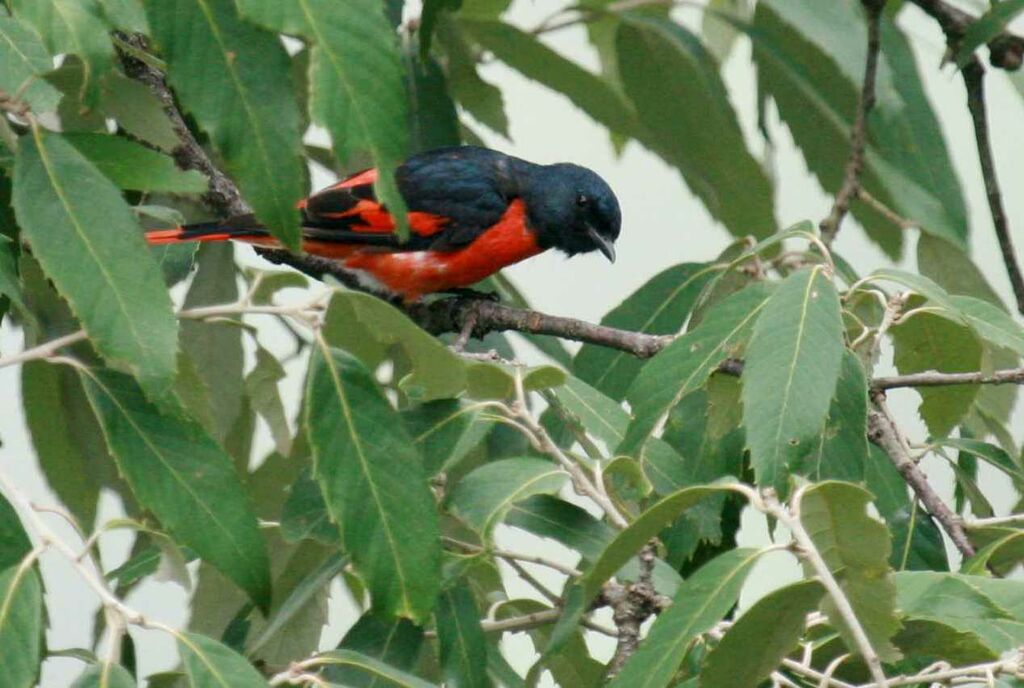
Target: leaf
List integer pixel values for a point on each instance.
(712, 155)
(793, 363)
(433, 120)
(481, 498)
(234, 79)
(445, 431)
(463, 647)
(840, 452)
(527, 55)
(701, 602)
(930, 342)
(23, 57)
(14, 543)
(856, 548)
(21, 626)
(209, 664)
(928, 640)
(432, 9)
(986, 27)
(177, 471)
(991, 323)
(374, 484)
(550, 517)
(950, 267)
(375, 667)
(597, 414)
(88, 243)
(10, 286)
(369, 328)
(73, 27)
(125, 14)
(481, 99)
(394, 642)
(1000, 555)
(991, 454)
(137, 110)
(747, 655)
(685, 364)
(133, 166)
(261, 385)
(810, 60)
(356, 78)
(660, 306)
(572, 665)
(105, 676)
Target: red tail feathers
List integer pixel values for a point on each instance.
(208, 231)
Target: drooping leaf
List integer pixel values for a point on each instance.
(445, 431)
(991, 323)
(234, 79)
(746, 655)
(986, 27)
(374, 484)
(481, 498)
(210, 664)
(261, 384)
(432, 9)
(178, 472)
(856, 549)
(686, 363)
(930, 342)
(701, 602)
(355, 75)
(374, 667)
(930, 640)
(792, 366)
(810, 60)
(712, 155)
(566, 523)
(304, 513)
(660, 306)
(23, 57)
(950, 267)
(21, 626)
(393, 642)
(73, 27)
(433, 120)
(130, 165)
(83, 234)
(463, 649)
(990, 453)
(482, 100)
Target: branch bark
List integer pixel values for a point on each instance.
(934, 379)
(1006, 50)
(851, 176)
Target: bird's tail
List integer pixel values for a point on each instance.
(243, 227)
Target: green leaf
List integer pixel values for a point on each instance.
(376, 668)
(568, 524)
(356, 78)
(261, 384)
(528, 55)
(481, 498)
(950, 267)
(75, 27)
(701, 602)
(712, 155)
(23, 57)
(370, 329)
(463, 648)
(986, 27)
(482, 100)
(685, 364)
(234, 78)
(138, 111)
(394, 642)
(21, 626)
(747, 654)
(840, 452)
(597, 414)
(856, 548)
(304, 514)
(88, 243)
(919, 284)
(432, 9)
(1000, 556)
(991, 323)
(660, 306)
(133, 166)
(433, 120)
(374, 484)
(572, 665)
(177, 471)
(991, 454)
(810, 60)
(14, 543)
(105, 676)
(209, 664)
(931, 342)
(928, 640)
(125, 14)
(445, 431)
(792, 366)
(11, 291)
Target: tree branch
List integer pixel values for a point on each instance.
(1006, 50)
(631, 606)
(882, 431)
(851, 176)
(974, 80)
(935, 379)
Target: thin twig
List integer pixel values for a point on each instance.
(858, 136)
(882, 431)
(974, 80)
(1005, 49)
(935, 379)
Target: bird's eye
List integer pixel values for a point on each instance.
(582, 201)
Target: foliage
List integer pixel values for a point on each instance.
(398, 470)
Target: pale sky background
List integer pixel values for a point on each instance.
(663, 224)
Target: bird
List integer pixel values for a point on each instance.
(471, 212)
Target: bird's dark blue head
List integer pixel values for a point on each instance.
(572, 209)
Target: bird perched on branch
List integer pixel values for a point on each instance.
(472, 211)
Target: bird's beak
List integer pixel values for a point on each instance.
(603, 244)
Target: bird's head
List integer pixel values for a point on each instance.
(573, 210)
